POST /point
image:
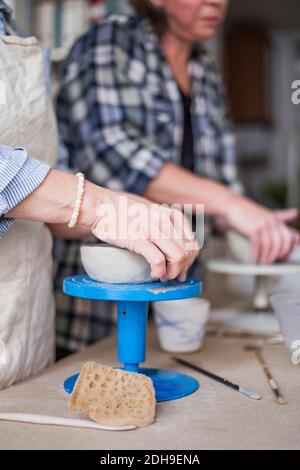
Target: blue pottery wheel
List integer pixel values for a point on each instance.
(168, 385)
(133, 302)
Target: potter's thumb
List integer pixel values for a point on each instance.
(287, 215)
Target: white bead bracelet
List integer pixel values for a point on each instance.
(78, 201)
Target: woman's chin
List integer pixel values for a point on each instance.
(206, 33)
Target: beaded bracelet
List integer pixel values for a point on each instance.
(80, 192)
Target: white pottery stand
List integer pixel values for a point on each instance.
(258, 317)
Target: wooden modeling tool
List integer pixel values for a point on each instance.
(271, 381)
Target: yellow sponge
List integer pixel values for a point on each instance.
(114, 397)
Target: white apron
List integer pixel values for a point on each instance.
(26, 299)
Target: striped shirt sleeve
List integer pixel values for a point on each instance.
(20, 175)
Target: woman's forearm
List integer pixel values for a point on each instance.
(102, 214)
(53, 202)
(270, 237)
(66, 233)
(176, 185)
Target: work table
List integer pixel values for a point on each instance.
(214, 417)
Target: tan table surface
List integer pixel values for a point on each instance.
(215, 417)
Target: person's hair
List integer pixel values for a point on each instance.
(156, 15)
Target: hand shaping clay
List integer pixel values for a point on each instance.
(109, 264)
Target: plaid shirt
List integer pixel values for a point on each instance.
(120, 118)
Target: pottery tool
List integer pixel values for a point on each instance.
(59, 421)
(217, 378)
(133, 300)
(113, 396)
(271, 381)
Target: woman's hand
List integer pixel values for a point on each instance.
(162, 235)
(272, 240)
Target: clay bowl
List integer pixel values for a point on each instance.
(109, 264)
(240, 247)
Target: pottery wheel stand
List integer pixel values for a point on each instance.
(132, 301)
(258, 317)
